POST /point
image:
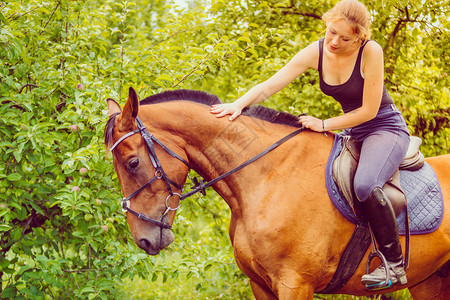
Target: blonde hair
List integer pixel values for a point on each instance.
(355, 13)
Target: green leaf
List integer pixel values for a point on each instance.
(4, 227)
(23, 269)
(14, 177)
(42, 258)
(9, 292)
(3, 19)
(37, 208)
(244, 39)
(85, 290)
(207, 267)
(34, 275)
(5, 144)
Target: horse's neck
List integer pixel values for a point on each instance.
(216, 145)
(220, 145)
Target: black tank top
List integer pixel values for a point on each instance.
(350, 93)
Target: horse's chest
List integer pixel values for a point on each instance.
(244, 251)
(252, 254)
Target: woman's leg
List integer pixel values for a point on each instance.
(381, 155)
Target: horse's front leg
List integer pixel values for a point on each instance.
(284, 292)
(287, 292)
(261, 292)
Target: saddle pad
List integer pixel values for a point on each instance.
(422, 189)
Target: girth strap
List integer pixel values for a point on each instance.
(351, 258)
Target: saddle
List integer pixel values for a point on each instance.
(344, 168)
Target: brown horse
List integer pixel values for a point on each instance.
(287, 235)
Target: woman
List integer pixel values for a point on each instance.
(351, 70)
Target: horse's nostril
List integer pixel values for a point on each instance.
(145, 244)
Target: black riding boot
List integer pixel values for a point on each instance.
(382, 221)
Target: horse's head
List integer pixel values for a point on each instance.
(150, 173)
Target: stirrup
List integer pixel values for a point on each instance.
(382, 285)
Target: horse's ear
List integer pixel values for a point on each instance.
(113, 107)
(130, 111)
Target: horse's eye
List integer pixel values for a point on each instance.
(133, 163)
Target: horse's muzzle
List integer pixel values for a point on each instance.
(154, 241)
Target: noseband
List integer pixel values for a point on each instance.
(199, 185)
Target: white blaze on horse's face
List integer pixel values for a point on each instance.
(150, 196)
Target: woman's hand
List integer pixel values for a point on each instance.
(312, 123)
(221, 110)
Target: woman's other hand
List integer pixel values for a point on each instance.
(312, 123)
(221, 110)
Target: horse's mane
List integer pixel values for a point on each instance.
(189, 95)
(257, 111)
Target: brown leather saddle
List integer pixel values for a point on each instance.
(344, 168)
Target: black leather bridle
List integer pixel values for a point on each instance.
(149, 140)
(199, 185)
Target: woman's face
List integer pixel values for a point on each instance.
(339, 37)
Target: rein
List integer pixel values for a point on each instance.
(199, 185)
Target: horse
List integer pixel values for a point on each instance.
(286, 234)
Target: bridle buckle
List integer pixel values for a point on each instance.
(125, 204)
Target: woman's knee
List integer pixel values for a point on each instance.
(363, 188)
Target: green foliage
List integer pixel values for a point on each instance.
(61, 232)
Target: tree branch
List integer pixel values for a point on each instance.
(79, 271)
(292, 10)
(25, 86)
(400, 24)
(57, 5)
(34, 220)
(15, 18)
(302, 13)
(193, 70)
